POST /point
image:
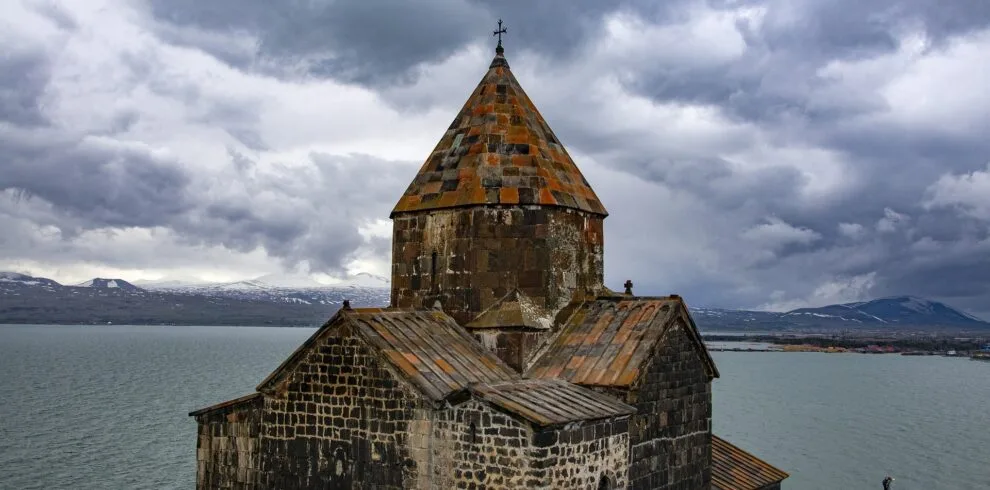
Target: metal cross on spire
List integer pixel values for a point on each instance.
(501, 30)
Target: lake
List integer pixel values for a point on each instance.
(98, 407)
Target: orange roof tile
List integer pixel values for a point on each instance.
(735, 469)
(499, 141)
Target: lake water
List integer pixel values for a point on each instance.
(104, 407)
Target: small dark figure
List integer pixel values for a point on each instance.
(628, 286)
(886, 483)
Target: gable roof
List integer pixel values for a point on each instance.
(512, 310)
(499, 150)
(606, 341)
(546, 402)
(736, 469)
(427, 348)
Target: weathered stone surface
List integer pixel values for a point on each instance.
(581, 456)
(228, 446)
(670, 435)
(478, 447)
(469, 258)
(344, 421)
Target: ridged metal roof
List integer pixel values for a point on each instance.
(607, 340)
(427, 347)
(736, 469)
(499, 150)
(546, 402)
(437, 355)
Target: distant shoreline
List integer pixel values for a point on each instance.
(813, 349)
(144, 325)
(944, 345)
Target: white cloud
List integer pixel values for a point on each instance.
(851, 230)
(919, 86)
(833, 291)
(969, 193)
(891, 221)
(703, 36)
(776, 233)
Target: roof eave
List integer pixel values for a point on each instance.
(226, 404)
(425, 209)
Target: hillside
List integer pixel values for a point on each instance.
(292, 301)
(27, 299)
(884, 314)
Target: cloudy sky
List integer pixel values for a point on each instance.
(771, 154)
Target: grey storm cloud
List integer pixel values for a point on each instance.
(23, 75)
(777, 84)
(308, 212)
(297, 213)
(766, 228)
(98, 182)
(378, 43)
(367, 42)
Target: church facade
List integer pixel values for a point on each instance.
(503, 360)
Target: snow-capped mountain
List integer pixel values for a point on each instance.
(294, 300)
(101, 283)
(897, 312)
(364, 280)
(361, 289)
(10, 281)
(165, 283)
(37, 300)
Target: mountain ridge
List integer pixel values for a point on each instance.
(26, 299)
(269, 300)
(101, 283)
(887, 313)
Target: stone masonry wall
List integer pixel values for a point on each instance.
(670, 436)
(581, 456)
(468, 258)
(344, 420)
(477, 447)
(227, 447)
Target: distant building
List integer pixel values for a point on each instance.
(503, 361)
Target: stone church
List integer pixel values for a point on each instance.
(503, 360)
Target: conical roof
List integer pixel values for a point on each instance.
(499, 151)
